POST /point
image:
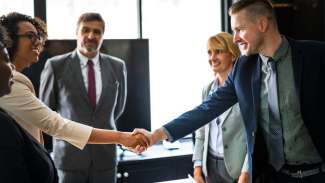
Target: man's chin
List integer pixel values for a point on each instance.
(245, 52)
(91, 50)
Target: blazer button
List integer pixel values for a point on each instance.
(226, 146)
(223, 129)
(119, 175)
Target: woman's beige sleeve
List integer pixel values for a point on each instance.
(31, 113)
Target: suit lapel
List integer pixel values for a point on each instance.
(206, 91)
(225, 115)
(75, 69)
(297, 60)
(256, 84)
(108, 77)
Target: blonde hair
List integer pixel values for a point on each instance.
(223, 41)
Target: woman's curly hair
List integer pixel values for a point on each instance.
(4, 37)
(5, 42)
(10, 22)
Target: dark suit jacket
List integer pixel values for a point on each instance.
(243, 85)
(22, 159)
(62, 88)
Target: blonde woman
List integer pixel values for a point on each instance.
(220, 146)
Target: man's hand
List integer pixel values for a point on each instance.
(139, 148)
(243, 178)
(130, 140)
(154, 137)
(198, 175)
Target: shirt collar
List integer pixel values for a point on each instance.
(280, 53)
(83, 59)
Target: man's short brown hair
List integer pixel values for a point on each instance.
(254, 8)
(88, 17)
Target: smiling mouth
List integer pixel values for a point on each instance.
(242, 44)
(91, 43)
(216, 63)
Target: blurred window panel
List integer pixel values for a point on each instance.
(120, 17)
(178, 31)
(20, 6)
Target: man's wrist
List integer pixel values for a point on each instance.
(158, 135)
(168, 135)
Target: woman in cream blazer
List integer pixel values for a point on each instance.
(29, 35)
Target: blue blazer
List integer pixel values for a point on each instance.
(243, 86)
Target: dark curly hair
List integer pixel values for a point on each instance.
(5, 42)
(10, 22)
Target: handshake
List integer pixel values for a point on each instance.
(140, 139)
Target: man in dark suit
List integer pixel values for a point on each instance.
(284, 105)
(89, 86)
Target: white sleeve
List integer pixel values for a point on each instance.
(28, 110)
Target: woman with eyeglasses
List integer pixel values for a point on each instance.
(22, 159)
(28, 35)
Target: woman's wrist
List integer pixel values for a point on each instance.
(197, 171)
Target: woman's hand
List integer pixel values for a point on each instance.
(243, 178)
(130, 140)
(198, 174)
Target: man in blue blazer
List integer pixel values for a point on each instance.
(300, 87)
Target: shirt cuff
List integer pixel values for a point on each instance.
(169, 137)
(80, 134)
(197, 163)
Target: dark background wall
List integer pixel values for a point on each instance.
(299, 19)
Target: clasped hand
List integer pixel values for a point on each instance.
(140, 139)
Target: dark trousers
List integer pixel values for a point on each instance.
(87, 176)
(217, 171)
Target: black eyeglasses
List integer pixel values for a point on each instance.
(32, 36)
